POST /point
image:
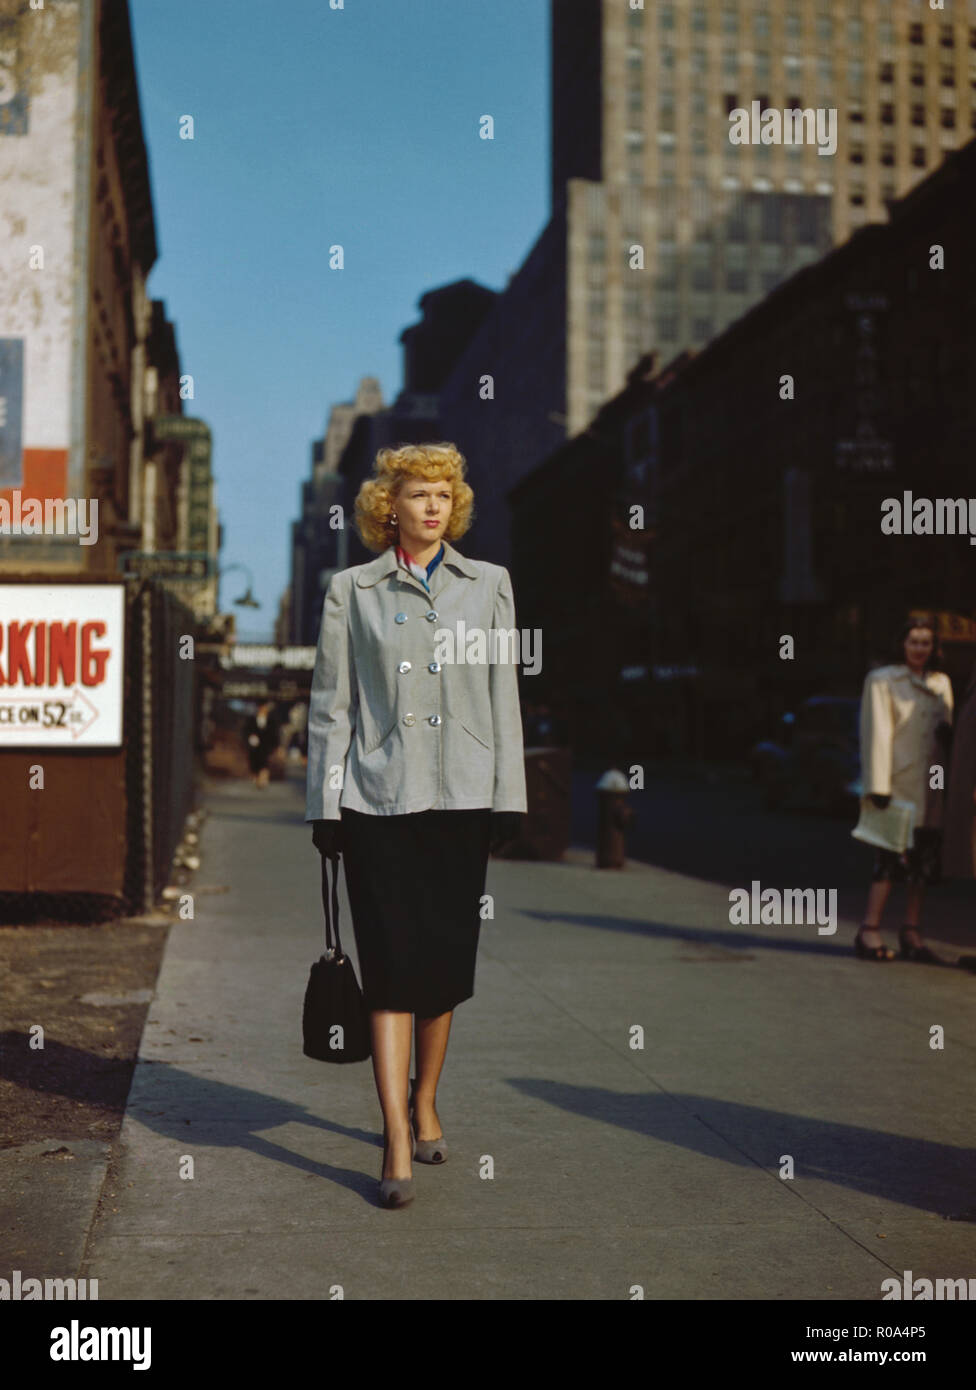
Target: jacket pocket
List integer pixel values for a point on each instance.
(475, 736)
(378, 742)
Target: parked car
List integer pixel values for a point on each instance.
(816, 760)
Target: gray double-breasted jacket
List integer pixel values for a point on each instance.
(393, 726)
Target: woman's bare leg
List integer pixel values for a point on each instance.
(432, 1035)
(913, 911)
(878, 895)
(390, 1033)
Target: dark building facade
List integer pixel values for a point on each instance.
(766, 458)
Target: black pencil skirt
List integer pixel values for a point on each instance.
(415, 884)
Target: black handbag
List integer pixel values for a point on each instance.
(335, 1020)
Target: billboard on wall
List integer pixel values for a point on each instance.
(45, 128)
(62, 657)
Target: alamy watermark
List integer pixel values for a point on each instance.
(18, 1289)
(478, 646)
(757, 125)
(929, 516)
(775, 907)
(50, 516)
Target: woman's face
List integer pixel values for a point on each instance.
(423, 510)
(918, 647)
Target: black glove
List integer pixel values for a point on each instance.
(505, 826)
(880, 801)
(327, 837)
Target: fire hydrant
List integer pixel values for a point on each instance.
(615, 817)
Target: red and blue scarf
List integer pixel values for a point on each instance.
(415, 568)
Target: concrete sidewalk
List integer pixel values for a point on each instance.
(614, 1165)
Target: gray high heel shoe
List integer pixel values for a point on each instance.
(396, 1192)
(425, 1150)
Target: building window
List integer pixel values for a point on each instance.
(916, 33)
(736, 280)
(856, 114)
(772, 219)
(918, 114)
(730, 22)
(888, 155)
(947, 38)
(666, 17)
(702, 330)
(698, 60)
(793, 26)
(806, 221)
(918, 75)
(769, 279)
(887, 114)
(761, 26)
(857, 197)
(857, 154)
(948, 77)
(886, 72)
(948, 118)
(918, 156)
(699, 21)
(667, 328)
(855, 31)
(825, 28)
(701, 277)
(730, 63)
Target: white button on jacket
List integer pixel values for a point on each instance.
(389, 730)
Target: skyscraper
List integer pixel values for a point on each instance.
(672, 228)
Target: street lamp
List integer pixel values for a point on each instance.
(246, 600)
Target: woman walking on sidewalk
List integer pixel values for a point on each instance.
(906, 713)
(415, 772)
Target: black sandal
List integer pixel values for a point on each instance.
(871, 952)
(918, 955)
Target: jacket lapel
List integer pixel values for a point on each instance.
(452, 564)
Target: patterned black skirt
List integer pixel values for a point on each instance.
(922, 864)
(415, 884)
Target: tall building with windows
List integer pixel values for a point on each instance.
(672, 229)
(663, 230)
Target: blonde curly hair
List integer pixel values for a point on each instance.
(377, 496)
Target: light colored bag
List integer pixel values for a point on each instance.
(893, 828)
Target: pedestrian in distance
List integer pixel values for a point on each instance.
(416, 773)
(261, 734)
(906, 716)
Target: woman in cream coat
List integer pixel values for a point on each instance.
(415, 770)
(906, 710)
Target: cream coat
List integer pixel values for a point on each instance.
(371, 744)
(900, 713)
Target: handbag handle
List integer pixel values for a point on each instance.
(331, 917)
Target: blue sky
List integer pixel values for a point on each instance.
(316, 126)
